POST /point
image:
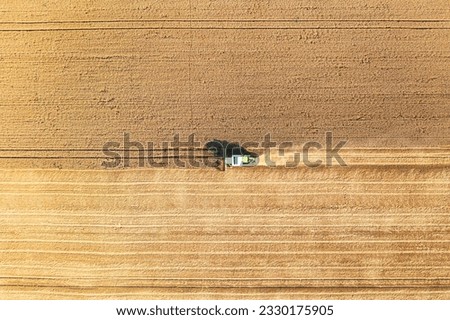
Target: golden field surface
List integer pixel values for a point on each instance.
(75, 75)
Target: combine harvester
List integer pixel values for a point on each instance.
(232, 154)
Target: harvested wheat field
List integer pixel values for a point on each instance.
(76, 75)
